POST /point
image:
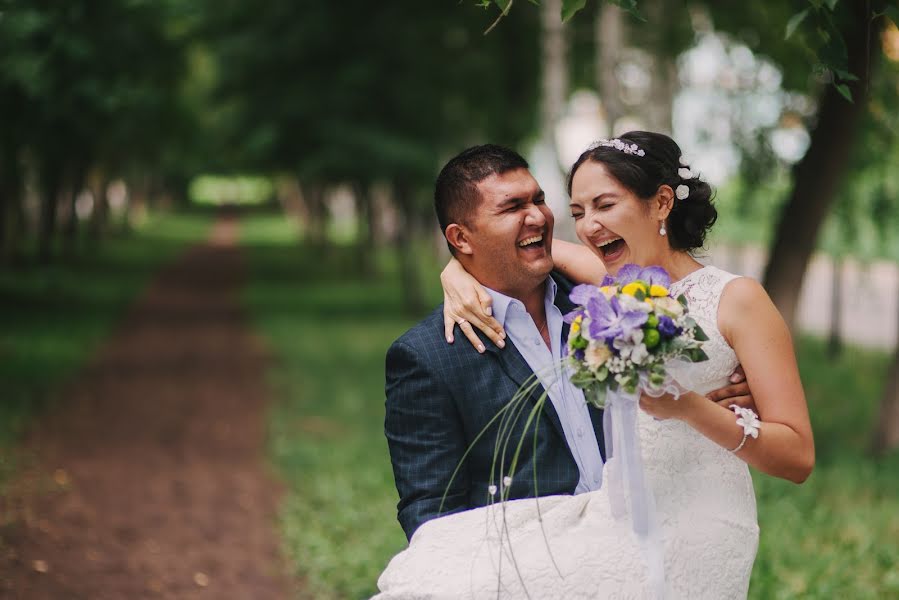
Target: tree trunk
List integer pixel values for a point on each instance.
(410, 279)
(71, 230)
(365, 240)
(818, 175)
(98, 183)
(835, 342)
(50, 186)
(663, 83)
(886, 432)
(7, 197)
(316, 210)
(610, 39)
(554, 74)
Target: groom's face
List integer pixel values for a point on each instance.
(511, 233)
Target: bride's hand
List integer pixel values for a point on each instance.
(467, 303)
(667, 407)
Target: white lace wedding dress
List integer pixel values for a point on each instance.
(705, 505)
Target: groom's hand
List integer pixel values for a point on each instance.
(737, 392)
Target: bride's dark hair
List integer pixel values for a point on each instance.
(691, 218)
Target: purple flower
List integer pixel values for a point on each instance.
(609, 320)
(570, 317)
(651, 275)
(606, 280)
(655, 276)
(579, 355)
(581, 294)
(667, 327)
(627, 274)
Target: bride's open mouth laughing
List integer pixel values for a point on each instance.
(611, 250)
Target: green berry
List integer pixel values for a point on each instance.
(651, 338)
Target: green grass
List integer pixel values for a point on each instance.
(52, 317)
(330, 332)
(834, 536)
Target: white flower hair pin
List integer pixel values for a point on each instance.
(621, 146)
(682, 192)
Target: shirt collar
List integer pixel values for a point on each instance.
(501, 302)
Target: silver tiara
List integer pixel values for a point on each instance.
(621, 146)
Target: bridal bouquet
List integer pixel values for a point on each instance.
(625, 332)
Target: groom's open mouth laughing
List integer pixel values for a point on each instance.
(534, 243)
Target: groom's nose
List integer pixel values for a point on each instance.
(534, 216)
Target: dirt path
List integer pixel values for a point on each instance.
(148, 479)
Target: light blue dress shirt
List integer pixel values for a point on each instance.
(567, 399)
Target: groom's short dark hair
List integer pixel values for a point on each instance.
(456, 194)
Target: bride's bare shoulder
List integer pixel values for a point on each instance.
(745, 303)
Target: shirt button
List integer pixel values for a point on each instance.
(580, 432)
(537, 341)
(596, 479)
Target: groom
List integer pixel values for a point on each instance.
(442, 398)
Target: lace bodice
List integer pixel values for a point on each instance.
(703, 289)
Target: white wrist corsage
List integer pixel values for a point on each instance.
(749, 421)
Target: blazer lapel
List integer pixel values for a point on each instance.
(516, 367)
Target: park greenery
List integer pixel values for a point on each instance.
(336, 117)
(830, 537)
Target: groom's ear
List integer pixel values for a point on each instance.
(458, 237)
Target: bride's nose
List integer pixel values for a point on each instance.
(592, 223)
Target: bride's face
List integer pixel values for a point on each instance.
(613, 222)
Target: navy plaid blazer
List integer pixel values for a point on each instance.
(441, 396)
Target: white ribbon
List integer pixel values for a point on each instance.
(623, 444)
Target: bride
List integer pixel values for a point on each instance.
(634, 202)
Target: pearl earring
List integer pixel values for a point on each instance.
(662, 230)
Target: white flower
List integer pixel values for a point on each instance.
(629, 303)
(597, 354)
(681, 192)
(491, 489)
(684, 161)
(669, 306)
(639, 354)
(507, 481)
(748, 420)
(685, 173)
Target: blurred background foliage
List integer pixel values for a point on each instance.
(119, 116)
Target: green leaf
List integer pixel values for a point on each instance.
(602, 374)
(845, 75)
(893, 13)
(629, 6)
(570, 7)
(844, 91)
(700, 335)
(831, 4)
(794, 22)
(503, 4)
(582, 379)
